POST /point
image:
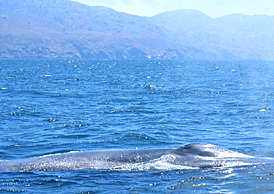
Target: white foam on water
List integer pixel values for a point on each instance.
(57, 154)
(162, 163)
(224, 153)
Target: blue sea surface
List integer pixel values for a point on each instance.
(58, 106)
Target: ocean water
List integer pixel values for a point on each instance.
(58, 106)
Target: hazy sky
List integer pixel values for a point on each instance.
(213, 8)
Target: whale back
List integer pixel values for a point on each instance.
(194, 149)
(208, 150)
(192, 155)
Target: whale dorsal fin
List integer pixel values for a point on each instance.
(195, 149)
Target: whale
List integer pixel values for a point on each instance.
(184, 157)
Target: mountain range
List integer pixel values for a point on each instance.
(68, 29)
